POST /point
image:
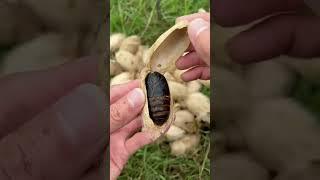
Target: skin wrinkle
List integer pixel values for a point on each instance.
(115, 113)
(5, 173)
(115, 164)
(121, 159)
(26, 163)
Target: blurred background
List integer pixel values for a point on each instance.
(37, 34)
(184, 152)
(266, 114)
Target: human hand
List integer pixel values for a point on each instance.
(198, 58)
(285, 32)
(127, 101)
(52, 123)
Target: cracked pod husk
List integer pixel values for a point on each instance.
(161, 58)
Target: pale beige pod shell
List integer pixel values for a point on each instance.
(168, 48)
(161, 57)
(122, 78)
(177, 74)
(131, 44)
(169, 76)
(115, 68)
(185, 144)
(194, 86)
(186, 121)
(199, 104)
(127, 60)
(206, 83)
(174, 133)
(178, 90)
(148, 125)
(115, 41)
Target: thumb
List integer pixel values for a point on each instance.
(59, 143)
(199, 34)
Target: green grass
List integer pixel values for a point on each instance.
(155, 162)
(147, 20)
(205, 90)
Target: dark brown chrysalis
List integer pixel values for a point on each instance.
(158, 95)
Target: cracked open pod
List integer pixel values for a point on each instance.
(158, 113)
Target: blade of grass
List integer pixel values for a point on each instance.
(149, 20)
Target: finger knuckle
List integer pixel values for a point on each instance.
(115, 114)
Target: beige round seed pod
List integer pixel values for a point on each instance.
(174, 133)
(18, 24)
(185, 120)
(201, 10)
(194, 86)
(141, 51)
(177, 107)
(131, 44)
(128, 61)
(40, 53)
(139, 56)
(169, 76)
(206, 83)
(115, 68)
(177, 74)
(115, 41)
(161, 57)
(199, 104)
(241, 165)
(177, 90)
(185, 144)
(145, 56)
(122, 78)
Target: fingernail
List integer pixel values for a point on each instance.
(81, 115)
(196, 27)
(136, 98)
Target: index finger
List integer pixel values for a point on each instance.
(228, 13)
